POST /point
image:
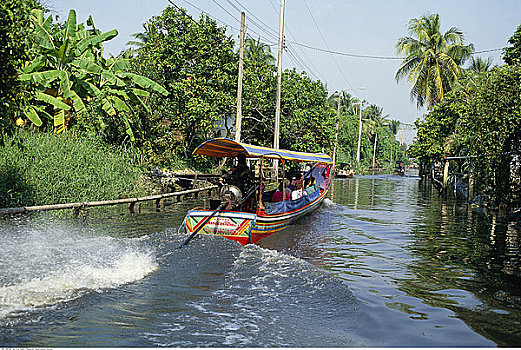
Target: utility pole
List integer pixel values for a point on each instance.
(359, 135)
(238, 119)
(393, 138)
(279, 90)
(336, 133)
(374, 150)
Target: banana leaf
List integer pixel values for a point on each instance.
(70, 28)
(33, 116)
(77, 103)
(59, 121)
(107, 107)
(87, 66)
(119, 104)
(43, 36)
(56, 102)
(34, 65)
(96, 39)
(144, 82)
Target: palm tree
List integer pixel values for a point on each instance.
(345, 104)
(136, 45)
(432, 60)
(479, 65)
(258, 52)
(141, 40)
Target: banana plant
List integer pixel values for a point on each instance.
(69, 71)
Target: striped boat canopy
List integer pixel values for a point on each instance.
(223, 147)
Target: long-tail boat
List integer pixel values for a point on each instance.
(248, 215)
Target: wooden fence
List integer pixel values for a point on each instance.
(133, 203)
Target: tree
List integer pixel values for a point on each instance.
(15, 26)
(195, 61)
(136, 45)
(512, 54)
(432, 59)
(490, 130)
(70, 70)
(479, 65)
(258, 52)
(308, 123)
(435, 129)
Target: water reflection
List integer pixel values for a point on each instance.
(453, 257)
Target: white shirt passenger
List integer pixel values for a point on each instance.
(298, 194)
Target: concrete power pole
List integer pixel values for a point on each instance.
(359, 135)
(279, 89)
(374, 150)
(336, 133)
(238, 120)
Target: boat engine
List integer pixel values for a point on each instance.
(230, 197)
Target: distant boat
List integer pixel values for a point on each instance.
(400, 169)
(231, 215)
(342, 173)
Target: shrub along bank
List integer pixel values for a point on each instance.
(50, 169)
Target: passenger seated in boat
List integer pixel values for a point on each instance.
(298, 192)
(277, 196)
(310, 186)
(287, 190)
(291, 186)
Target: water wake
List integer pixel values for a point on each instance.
(270, 299)
(46, 266)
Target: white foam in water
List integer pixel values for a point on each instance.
(328, 202)
(46, 267)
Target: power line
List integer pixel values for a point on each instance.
(315, 71)
(300, 62)
(254, 19)
(370, 56)
(323, 39)
(216, 19)
(298, 44)
(206, 13)
(199, 25)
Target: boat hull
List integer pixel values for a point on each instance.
(244, 227)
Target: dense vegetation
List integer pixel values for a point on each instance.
(479, 117)
(157, 101)
(55, 169)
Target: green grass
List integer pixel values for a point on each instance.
(52, 169)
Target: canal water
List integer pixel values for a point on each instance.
(386, 261)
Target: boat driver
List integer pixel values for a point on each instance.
(240, 175)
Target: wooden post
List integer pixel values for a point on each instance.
(445, 173)
(470, 192)
(160, 204)
(134, 207)
(81, 211)
(238, 119)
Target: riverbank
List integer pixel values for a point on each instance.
(43, 168)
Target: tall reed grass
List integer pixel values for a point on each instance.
(50, 169)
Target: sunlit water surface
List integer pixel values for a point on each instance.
(386, 261)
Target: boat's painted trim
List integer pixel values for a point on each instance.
(262, 225)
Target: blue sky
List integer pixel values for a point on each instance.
(370, 27)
